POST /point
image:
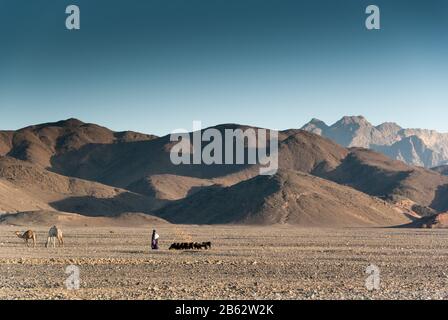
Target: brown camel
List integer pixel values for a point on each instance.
(27, 235)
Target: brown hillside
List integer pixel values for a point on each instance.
(437, 221)
(288, 197)
(44, 190)
(307, 152)
(169, 187)
(48, 218)
(377, 175)
(40, 143)
(14, 199)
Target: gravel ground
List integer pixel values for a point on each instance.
(244, 263)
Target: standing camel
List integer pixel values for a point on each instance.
(27, 235)
(53, 234)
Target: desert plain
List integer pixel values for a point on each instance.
(245, 262)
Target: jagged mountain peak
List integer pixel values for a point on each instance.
(317, 122)
(316, 126)
(350, 120)
(389, 126)
(421, 147)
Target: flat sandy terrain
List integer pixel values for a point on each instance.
(244, 263)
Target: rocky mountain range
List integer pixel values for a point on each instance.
(420, 147)
(79, 168)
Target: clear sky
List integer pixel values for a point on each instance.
(157, 65)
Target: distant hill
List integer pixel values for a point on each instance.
(437, 221)
(288, 197)
(375, 174)
(28, 187)
(40, 143)
(50, 217)
(419, 147)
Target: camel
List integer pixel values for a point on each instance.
(27, 235)
(53, 234)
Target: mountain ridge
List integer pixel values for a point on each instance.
(421, 147)
(135, 174)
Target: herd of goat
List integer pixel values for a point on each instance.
(56, 234)
(191, 246)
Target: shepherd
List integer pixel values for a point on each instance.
(154, 240)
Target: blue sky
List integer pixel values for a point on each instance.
(154, 66)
